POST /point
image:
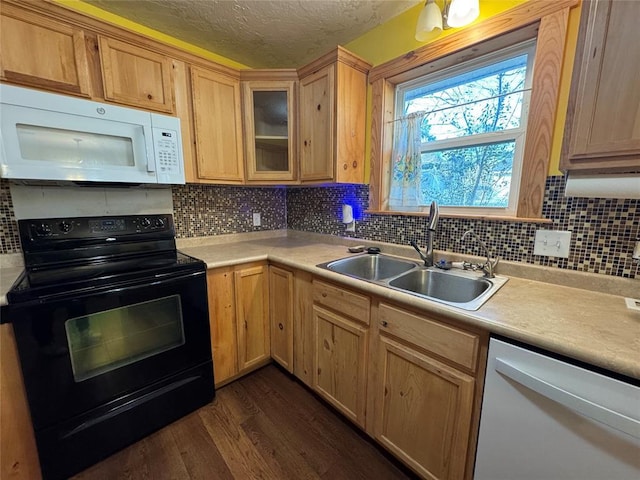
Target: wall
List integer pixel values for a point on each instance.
(199, 210)
(603, 230)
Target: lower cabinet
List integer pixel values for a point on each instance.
(239, 319)
(425, 395)
(281, 304)
(340, 348)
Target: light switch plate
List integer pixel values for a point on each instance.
(256, 220)
(552, 243)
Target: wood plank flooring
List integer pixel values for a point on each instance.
(263, 426)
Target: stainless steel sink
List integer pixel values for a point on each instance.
(468, 290)
(371, 267)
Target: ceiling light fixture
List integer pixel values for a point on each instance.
(455, 13)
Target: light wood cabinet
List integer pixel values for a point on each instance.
(333, 95)
(603, 119)
(252, 308)
(269, 104)
(217, 126)
(18, 453)
(39, 52)
(238, 319)
(423, 410)
(136, 76)
(303, 326)
(281, 306)
(425, 392)
(340, 349)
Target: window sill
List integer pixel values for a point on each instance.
(488, 218)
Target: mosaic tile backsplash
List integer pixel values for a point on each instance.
(203, 210)
(603, 230)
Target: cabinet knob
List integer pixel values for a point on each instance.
(344, 167)
(354, 164)
(280, 326)
(150, 97)
(319, 107)
(384, 323)
(324, 295)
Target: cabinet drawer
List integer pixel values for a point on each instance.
(346, 302)
(448, 342)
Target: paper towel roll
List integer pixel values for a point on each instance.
(603, 186)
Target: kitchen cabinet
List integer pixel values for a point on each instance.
(603, 119)
(217, 119)
(18, 453)
(333, 95)
(424, 392)
(42, 53)
(136, 76)
(270, 112)
(281, 306)
(303, 327)
(238, 319)
(340, 343)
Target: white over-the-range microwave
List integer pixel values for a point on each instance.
(44, 136)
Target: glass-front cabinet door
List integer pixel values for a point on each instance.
(269, 113)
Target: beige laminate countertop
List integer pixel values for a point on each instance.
(589, 326)
(592, 327)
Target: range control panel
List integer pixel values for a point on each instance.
(39, 230)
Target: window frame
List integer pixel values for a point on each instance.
(517, 135)
(545, 22)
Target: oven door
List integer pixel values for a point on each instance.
(79, 352)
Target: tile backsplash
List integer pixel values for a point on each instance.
(603, 230)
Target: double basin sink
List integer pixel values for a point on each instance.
(463, 289)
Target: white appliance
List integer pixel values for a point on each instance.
(545, 419)
(44, 136)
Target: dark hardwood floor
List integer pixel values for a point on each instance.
(263, 426)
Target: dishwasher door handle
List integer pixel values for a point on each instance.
(611, 418)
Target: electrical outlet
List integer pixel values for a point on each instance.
(552, 243)
(256, 220)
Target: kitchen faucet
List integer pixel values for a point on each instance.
(427, 257)
(489, 266)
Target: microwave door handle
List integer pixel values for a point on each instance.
(150, 144)
(597, 412)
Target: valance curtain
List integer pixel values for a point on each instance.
(405, 179)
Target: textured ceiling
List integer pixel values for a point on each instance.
(260, 33)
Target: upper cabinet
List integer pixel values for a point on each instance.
(333, 96)
(42, 53)
(269, 112)
(136, 76)
(603, 120)
(217, 126)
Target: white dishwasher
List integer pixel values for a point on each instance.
(545, 419)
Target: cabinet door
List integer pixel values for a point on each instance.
(218, 126)
(269, 114)
(41, 53)
(317, 125)
(351, 111)
(303, 327)
(252, 309)
(281, 316)
(605, 107)
(222, 322)
(136, 76)
(422, 411)
(339, 365)
(17, 442)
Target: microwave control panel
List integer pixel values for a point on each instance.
(166, 147)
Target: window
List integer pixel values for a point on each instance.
(546, 24)
(459, 135)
